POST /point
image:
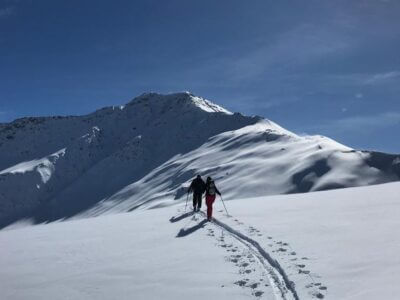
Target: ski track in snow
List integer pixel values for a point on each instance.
(277, 276)
(253, 255)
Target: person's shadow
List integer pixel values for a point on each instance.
(181, 217)
(184, 232)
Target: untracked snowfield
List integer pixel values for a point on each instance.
(339, 244)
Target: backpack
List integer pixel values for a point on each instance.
(197, 186)
(211, 188)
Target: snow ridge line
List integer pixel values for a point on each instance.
(271, 261)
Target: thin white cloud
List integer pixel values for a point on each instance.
(300, 46)
(357, 79)
(382, 77)
(362, 123)
(359, 95)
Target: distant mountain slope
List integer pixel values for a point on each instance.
(55, 167)
(143, 153)
(257, 160)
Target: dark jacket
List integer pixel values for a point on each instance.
(208, 184)
(197, 186)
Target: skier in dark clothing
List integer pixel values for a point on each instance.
(211, 191)
(198, 187)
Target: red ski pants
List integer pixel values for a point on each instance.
(209, 202)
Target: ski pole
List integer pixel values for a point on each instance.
(187, 198)
(224, 205)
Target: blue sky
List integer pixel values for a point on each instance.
(315, 67)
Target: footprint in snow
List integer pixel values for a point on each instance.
(282, 243)
(254, 285)
(241, 283)
(319, 295)
(319, 284)
(258, 293)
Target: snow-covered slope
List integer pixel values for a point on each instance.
(257, 160)
(340, 244)
(55, 167)
(143, 154)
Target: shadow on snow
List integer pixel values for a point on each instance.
(181, 217)
(185, 232)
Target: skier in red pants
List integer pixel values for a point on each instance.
(211, 190)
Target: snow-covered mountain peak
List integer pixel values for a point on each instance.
(177, 101)
(208, 106)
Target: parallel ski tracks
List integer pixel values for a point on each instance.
(284, 289)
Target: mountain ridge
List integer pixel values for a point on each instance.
(144, 133)
(143, 154)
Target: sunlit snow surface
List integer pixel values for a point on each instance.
(340, 244)
(45, 166)
(130, 167)
(260, 159)
(208, 106)
(124, 157)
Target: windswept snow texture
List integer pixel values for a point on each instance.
(256, 160)
(340, 244)
(144, 153)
